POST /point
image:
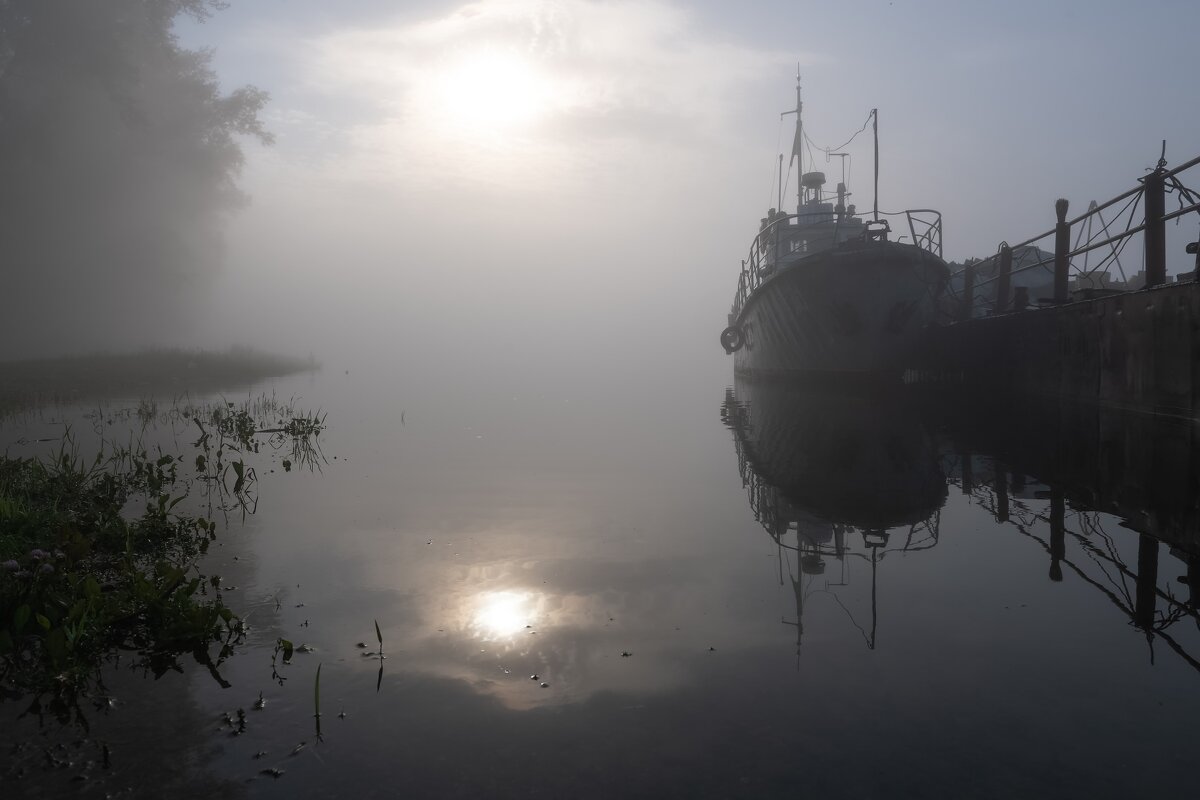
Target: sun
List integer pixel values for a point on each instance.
(489, 92)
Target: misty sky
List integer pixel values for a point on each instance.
(513, 182)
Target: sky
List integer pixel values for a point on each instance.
(528, 185)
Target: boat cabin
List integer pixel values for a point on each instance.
(820, 224)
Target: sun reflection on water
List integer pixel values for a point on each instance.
(501, 615)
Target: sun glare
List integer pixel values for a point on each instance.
(490, 92)
(499, 615)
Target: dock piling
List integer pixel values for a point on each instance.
(1062, 251)
(1058, 532)
(1145, 591)
(968, 303)
(1156, 229)
(1005, 279)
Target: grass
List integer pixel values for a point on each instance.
(101, 556)
(25, 384)
(317, 701)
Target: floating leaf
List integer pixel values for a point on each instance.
(20, 617)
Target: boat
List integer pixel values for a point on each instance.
(828, 291)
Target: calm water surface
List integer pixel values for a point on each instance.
(723, 590)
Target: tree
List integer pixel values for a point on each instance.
(119, 156)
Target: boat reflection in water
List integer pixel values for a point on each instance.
(835, 477)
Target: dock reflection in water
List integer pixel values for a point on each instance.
(839, 477)
(1109, 497)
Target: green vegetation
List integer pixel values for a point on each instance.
(26, 384)
(101, 556)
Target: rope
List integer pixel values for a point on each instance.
(828, 150)
(1115, 251)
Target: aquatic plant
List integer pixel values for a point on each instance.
(317, 701)
(379, 636)
(102, 556)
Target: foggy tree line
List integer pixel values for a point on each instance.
(119, 155)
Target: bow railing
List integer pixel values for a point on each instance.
(773, 244)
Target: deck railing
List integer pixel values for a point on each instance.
(924, 226)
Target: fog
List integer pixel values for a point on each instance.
(512, 189)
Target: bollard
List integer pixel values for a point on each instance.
(1021, 298)
(1005, 279)
(1156, 229)
(1062, 249)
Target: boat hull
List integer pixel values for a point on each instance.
(854, 311)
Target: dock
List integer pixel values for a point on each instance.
(1087, 338)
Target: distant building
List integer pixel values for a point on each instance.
(1032, 270)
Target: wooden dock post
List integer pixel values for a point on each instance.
(1145, 596)
(1005, 279)
(1058, 531)
(968, 303)
(1062, 248)
(1156, 229)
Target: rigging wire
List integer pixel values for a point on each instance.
(828, 150)
(810, 145)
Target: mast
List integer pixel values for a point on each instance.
(798, 145)
(875, 128)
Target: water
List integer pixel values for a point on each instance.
(749, 591)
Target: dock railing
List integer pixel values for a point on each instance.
(924, 225)
(1092, 232)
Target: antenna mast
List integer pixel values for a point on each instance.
(875, 126)
(798, 146)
